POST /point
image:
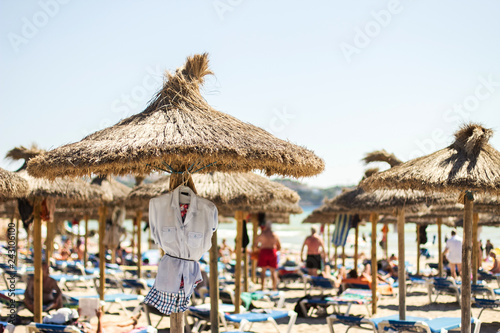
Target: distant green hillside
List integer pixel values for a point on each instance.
(310, 196)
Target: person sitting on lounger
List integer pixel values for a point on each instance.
(52, 294)
(495, 269)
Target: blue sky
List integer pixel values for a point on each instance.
(342, 78)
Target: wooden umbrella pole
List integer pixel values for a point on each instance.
(37, 262)
(177, 318)
(85, 240)
(343, 255)
(418, 249)
(132, 242)
(17, 242)
(335, 257)
(374, 219)
(356, 233)
(401, 264)
(328, 242)
(245, 274)
(138, 217)
(466, 260)
(214, 285)
(102, 252)
(475, 247)
(386, 243)
(245, 262)
(440, 247)
(237, 273)
(254, 262)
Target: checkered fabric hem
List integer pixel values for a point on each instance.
(168, 302)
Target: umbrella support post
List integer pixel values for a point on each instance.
(132, 241)
(214, 283)
(335, 257)
(343, 255)
(85, 251)
(17, 242)
(475, 247)
(374, 219)
(356, 246)
(139, 248)
(401, 264)
(245, 275)
(386, 244)
(466, 260)
(418, 249)
(328, 242)
(254, 262)
(440, 248)
(237, 274)
(37, 262)
(102, 252)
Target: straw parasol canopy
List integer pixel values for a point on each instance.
(319, 217)
(178, 129)
(485, 220)
(73, 192)
(469, 163)
(113, 189)
(11, 185)
(226, 190)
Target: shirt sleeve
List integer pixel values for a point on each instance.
(153, 221)
(216, 219)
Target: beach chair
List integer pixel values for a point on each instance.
(415, 281)
(8, 326)
(362, 322)
(201, 314)
(348, 298)
(50, 328)
(484, 304)
(442, 286)
(247, 319)
(318, 283)
(437, 325)
(114, 299)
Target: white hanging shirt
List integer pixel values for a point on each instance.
(183, 242)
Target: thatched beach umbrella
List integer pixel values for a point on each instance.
(65, 192)
(397, 202)
(11, 185)
(179, 132)
(468, 165)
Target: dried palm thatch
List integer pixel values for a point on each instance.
(274, 207)
(469, 163)
(382, 156)
(113, 189)
(11, 185)
(383, 201)
(178, 128)
(427, 218)
(70, 192)
(485, 220)
(317, 216)
(231, 190)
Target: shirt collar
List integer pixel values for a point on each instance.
(192, 204)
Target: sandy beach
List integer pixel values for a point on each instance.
(417, 305)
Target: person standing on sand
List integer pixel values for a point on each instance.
(268, 244)
(315, 253)
(453, 251)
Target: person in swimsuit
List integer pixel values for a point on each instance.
(315, 253)
(268, 244)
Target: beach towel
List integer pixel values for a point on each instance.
(342, 226)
